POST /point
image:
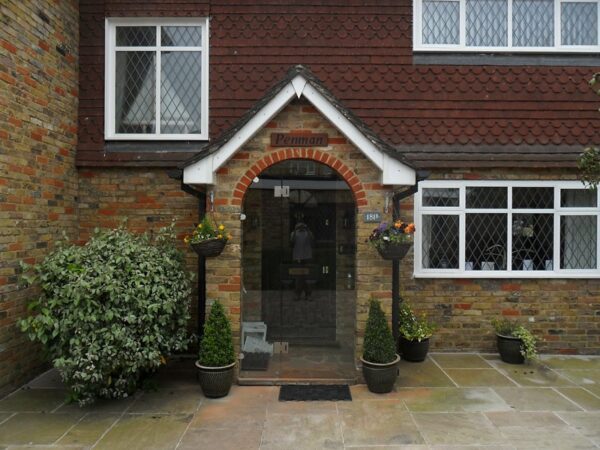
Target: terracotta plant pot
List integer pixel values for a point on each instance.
(215, 381)
(509, 348)
(209, 248)
(394, 251)
(413, 351)
(380, 378)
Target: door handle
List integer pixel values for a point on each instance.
(325, 270)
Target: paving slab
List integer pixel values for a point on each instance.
(33, 400)
(99, 406)
(532, 374)
(195, 439)
(302, 431)
(89, 429)
(525, 437)
(36, 428)
(586, 423)
(48, 380)
(168, 401)
(582, 377)
(571, 362)
(460, 360)
(532, 419)
(421, 374)
(478, 377)
(457, 429)
(144, 432)
(4, 416)
(535, 399)
(582, 397)
(452, 400)
(377, 423)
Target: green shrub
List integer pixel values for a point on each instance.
(110, 311)
(216, 345)
(379, 346)
(511, 328)
(413, 327)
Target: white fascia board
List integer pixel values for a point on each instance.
(202, 172)
(393, 171)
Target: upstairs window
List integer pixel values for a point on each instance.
(498, 229)
(156, 79)
(507, 25)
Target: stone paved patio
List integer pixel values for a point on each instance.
(450, 401)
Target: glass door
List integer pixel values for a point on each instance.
(297, 255)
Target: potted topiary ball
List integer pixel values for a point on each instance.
(515, 342)
(216, 360)
(415, 331)
(379, 360)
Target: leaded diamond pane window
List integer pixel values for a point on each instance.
(487, 197)
(440, 197)
(579, 23)
(441, 20)
(440, 242)
(532, 241)
(156, 87)
(578, 246)
(578, 198)
(533, 197)
(485, 241)
(487, 23)
(533, 23)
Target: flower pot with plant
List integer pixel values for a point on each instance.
(392, 242)
(379, 360)
(415, 331)
(216, 361)
(515, 342)
(207, 239)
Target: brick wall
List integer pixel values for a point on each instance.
(566, 312)
(38, 183)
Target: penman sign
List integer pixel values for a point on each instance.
(299, 140)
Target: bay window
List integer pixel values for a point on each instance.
(492, 229)
(156, 79)
(507, 25)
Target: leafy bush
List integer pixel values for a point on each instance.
(511, 328)
(110, 311)
(216, 345)
(379, 346)
(413, 327)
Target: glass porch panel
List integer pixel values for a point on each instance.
(533, 23)
(533, 242)
(578, 237)
(533, 197)
(578, 198)
(440, 22)
(486, 241)
(579, 23)
(441, 197)
(486, 197)
(440, 242)
(487, 23)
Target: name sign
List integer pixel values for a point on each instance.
(372, 217)
(299, 140)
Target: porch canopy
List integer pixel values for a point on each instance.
(299, 82)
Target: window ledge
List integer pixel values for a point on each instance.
(539, 274)
(437, 57)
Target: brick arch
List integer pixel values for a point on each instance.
(360, 197)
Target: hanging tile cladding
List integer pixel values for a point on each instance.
(362, 50)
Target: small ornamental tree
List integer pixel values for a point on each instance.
(216, 345)
(379, 344)
(110, 311)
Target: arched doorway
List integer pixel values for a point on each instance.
(298, 275)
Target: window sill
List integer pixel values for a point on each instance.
(521, 274)
(480, 57)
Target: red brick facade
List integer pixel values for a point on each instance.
(38, 134)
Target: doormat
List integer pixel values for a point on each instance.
(311, 393)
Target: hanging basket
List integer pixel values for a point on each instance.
(394, 251)
(209, 248)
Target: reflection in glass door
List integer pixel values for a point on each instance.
(298, 300)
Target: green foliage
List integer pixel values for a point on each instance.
(110, 311)
(379, 346)
(206, 230)
(507, 327)
(413, 327)
(589, 161)
(216, 346)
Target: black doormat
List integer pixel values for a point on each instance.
(307, 393)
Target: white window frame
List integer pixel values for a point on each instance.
(461, 211)
(110, 75)
(418, 44)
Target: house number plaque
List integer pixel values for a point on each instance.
(372, 217)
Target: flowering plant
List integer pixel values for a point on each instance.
(206, 231)
(398, 233)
